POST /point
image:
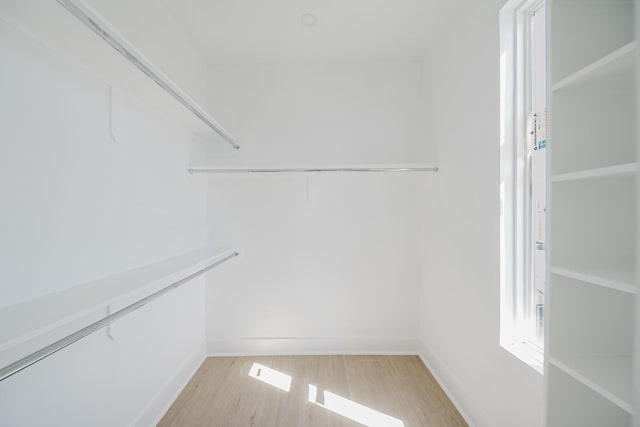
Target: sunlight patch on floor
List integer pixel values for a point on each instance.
(270, 376)
(352, 410)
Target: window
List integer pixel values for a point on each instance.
(523, 179)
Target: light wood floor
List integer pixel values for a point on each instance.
(325, 391)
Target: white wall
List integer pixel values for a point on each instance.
(321, 113)
(78, 205)
(460, 214)
(329, 262)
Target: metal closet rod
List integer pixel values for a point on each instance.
(47, 351)
(318, 169)
(101, 30)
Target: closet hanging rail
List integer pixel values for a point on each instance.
(110, 36)
(47, 351)
(208, 169)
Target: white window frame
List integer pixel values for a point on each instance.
(517, 314)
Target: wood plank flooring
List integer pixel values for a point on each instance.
(323, 391)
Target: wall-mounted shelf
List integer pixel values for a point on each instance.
(596, 117)
(621, 279)
(415, 167)
(617, 62)
(609, 375)
(57, 313)
(574, 404)
(625, 169)
(593, 224)
(73, 29)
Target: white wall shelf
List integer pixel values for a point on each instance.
(585, 31)
(572, 403)
(620, 279)
(593, 224)
(35, 318)
(625, 169)
(73, 29)
(619, 61)
(609, 375)
(596, 128)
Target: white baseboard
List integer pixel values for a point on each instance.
(162, 401)
(312, 346)
(461, 399)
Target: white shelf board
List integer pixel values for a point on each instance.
(620, 59)
(31, 319)
(621, 279)
(395, 167)
(54, 29)
(609, 375)
(624, 169)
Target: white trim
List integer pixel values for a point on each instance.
(464, 402)
(274, 346)
(527, 352)
(516, 306)
(169, 392)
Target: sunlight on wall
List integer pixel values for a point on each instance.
(352, 410)
(271, 376)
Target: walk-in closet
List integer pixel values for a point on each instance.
(305, 213)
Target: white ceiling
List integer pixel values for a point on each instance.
(231, 31)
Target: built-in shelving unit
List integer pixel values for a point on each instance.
(74, 29)
(593, 279)
(30, 325)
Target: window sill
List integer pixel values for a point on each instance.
(529, 353)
